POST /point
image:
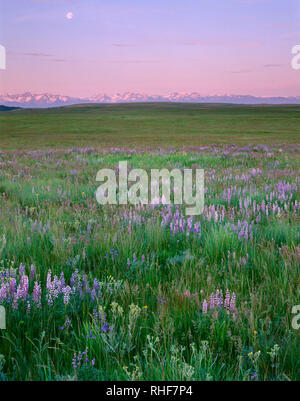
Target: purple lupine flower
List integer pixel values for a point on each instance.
(66, 291)
(212, 302)
(21, 270)
(13, 285)
(204, 307)
(217, 298)
(232, 302)
(37, 294)
(15, 304)
(96, 284)
(74, 278)
(48, 285)
(32, 272)
(93, 294)
(85, 283)
(49, 299)
(220, 303)
(227, 300)
(79, 287)
(3, 291)
(24, 286)
(95, 315)
(62, 280)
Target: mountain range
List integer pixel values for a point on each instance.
(33, 100)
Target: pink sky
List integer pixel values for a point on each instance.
(84, 47)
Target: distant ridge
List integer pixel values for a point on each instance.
(29, 99)
(6, 108)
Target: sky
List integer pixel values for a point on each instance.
(83, 47)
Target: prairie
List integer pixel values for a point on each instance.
(148, 125)
(111, 292)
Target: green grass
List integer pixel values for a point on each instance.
(148, 126)
(152, 292)
(151, 340)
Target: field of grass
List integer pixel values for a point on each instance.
(148, 126)
(97, 292)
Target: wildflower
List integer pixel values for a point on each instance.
(91, 335)
(204, 307)
(232, 302)
(67, 322)
(3, 291)
(274, 352)
(212, 301)
(13, 284)
(218, 301)
(227, 300)
(254, 356)
(114, 306)
(105, 327)
(254, 376)
(24, 286)
(21, 270)
(187, 371)
(37, 293)
(32, 272)
(66, 325)
(134, 312)
(66, 291)
(48, 280)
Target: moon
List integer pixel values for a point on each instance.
(69, 15)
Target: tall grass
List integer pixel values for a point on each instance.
(147, 320)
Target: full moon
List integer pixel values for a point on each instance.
(69, 15)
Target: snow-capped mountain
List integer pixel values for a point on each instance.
(29, 99)
(192, 97)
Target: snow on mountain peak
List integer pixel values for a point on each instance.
(29, 99)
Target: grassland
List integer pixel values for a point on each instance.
(144, 293)
(148, 126)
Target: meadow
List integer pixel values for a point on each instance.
(147, 126)
(97, 292)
